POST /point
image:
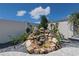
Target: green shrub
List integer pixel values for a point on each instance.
(28, 30)
(18, 39)
(44, 22)
(59, 38)
(57, 33)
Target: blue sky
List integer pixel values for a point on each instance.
(32, 12)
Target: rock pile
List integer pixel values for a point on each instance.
(41, 42)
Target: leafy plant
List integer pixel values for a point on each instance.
(28, 30)
(14, 40)
(56, 33)
(59, 37)
(18, 39)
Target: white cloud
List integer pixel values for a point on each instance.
(21, 13)
(37, 12)
(37, 22)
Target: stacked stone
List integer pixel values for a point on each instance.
(43, 43)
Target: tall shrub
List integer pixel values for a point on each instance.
(44, 22)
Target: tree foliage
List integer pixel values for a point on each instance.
(74, 21)
(44, 22)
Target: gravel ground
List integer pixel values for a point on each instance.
(68, 49)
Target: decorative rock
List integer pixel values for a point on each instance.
(47, 45)
(36, 51)
(46, 31)
(54, 40)
(49, 38)
(41, 43)
(28, 43)
(46, 34)
(35, 30)
(30, 36)
(30, 49)
(35, 37)
(33, 45)
(52, 48)
(48, 49)
(41, 29)
(42, 50)
(50, 35)
(52, 45)
(42, 39)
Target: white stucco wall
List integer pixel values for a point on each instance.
(10, 28)
(65, 29)
(49, 26)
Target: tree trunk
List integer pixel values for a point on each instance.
(75, 28)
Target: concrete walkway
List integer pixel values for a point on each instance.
(68, 49)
